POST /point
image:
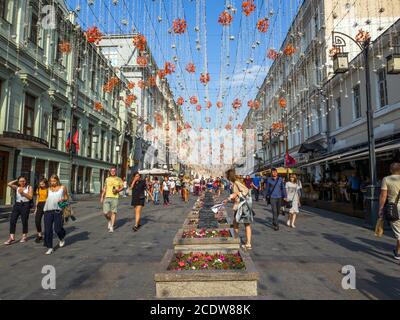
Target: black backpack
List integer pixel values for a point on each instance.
(391, 211)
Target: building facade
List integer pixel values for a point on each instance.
(47, 95)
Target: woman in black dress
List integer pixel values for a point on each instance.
(138, 187)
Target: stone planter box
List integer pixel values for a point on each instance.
(205, 244)
(188, 225)
(206, 283)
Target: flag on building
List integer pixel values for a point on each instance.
(75, 140)
(68, 142)
(289, 161)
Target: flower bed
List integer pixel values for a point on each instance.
(192, 221)
(198, 234)
(207, 261)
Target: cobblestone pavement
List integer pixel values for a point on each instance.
(302, 263)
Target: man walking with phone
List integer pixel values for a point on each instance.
(109, 197)
(275, 192)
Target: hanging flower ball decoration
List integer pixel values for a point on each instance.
(152, 82)
(93, 35)
(272, 54)
(237, 103)
(140, 42)
(194, 100)
(111, 84)
(130, 99)
(239, 127)
(141, 61)
(198, 108)
(180, 101)
(190, 67)
(263, 25)
(363, 36)
(161, 74)
(334, 51)
(219, 104)
(228, 127)
(179, 26)
(209, 104)
(169, 68)
(65, 47)
(98, 106)
(253, 104)
(179, 129)
(225, 18)
(282, 103)
(289, 50)
(248, 7)
(205, 78)
(131, 85)
(187, 126)
(277, 126)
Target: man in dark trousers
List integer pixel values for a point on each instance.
(275, 191)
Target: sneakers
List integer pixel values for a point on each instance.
(109, 225)
(61, 243)
(111, 229)
(288, 223)
(396, 255)
(49, 251)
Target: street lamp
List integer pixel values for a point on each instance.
(363, 41)
(393, 63)
(117, 149)
(341, 62)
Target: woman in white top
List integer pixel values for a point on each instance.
(293, 194)
(22, 207)
(53, 214)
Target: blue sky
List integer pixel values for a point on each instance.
(247, 60)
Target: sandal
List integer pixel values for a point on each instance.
(246, 246)
(136, 228)
(9, 241)
(23, 240)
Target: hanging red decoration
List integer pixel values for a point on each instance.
(282, 103)
(239, 127)
(179, 129)
(220, 104)
(190, 67)
(140, 42)
(161, 74)
(111, 84)
(248, 7)
(277, 126)
(131, 85)
(188, 126)
(141, 61)
(169, 68)
(333, 51)
(263, 25)
(130, 99)
(272, 54)
(225, 18)
(198, 107)
(98, 106)
(141, 84)
(237, 103)
(363, 36)
(205, 78)
(152, 82)
(65, 47)
(228, 127)
(180, 101)
(289, 50)
(179, 26)
(194, 100)
(253, 104)
(209, 104)
(93, 35)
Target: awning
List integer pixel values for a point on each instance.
(311, 147)
(22, 141)
(351, 155)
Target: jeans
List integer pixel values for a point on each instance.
(257, 194)
(156, 195)
(38, 216)
(276, 204)
(23, 210)
(166, 197)
(53, 217)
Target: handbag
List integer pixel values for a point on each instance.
(268, 198)
(289, 204)
(63, 204)
(391, 211)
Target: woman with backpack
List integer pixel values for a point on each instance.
(22, 207)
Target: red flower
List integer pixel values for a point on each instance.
(263, 25)
(179, 26)
(225, 18)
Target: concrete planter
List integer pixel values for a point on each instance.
(206, 283)
(205, 244)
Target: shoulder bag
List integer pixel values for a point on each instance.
(268, 198)
(391, 211)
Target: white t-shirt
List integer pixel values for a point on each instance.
(392, 185)
(166, 185)
(172, 183)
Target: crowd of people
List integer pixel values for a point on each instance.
(50, 200)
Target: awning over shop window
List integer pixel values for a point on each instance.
(311, 147)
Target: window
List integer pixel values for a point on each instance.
(53, 168)
(93, 77)
(3, 11)
(26, 167)
(54, 131)
(29, 114)
(90, 141)
(382, 87)
(356, 103)
(7, 10)
(33, 27)
(103, 136)
(338, 113)
(45, 127)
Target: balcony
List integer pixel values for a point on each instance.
(19, 141)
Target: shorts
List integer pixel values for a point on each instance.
(110, 205)
(396, 229)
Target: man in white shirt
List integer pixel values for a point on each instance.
(166, 189)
